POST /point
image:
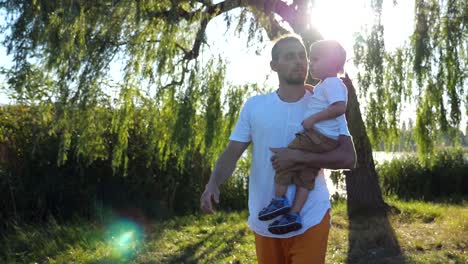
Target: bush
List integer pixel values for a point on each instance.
(34, 186)
(444, 175)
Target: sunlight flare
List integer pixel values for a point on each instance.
(124, 237)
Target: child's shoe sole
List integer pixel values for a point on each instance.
(271, 215)
(284, 229)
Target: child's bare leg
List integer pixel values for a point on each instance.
(280, 190)
(299, 199)
(307, 180)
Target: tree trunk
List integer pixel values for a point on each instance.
(362, 186)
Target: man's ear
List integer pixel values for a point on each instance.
(273, 65)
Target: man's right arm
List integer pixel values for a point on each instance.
(224, 168)
(343, 157)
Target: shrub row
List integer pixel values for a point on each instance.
(444, 175)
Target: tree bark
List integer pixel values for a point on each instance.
(362, 186)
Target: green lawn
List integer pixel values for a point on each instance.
(419, 233)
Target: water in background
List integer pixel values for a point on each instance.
(379, 157)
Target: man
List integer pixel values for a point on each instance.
(270, 122)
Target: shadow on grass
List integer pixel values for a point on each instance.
(189, 253)
(222, 246)
(373, 240)
(197, 239)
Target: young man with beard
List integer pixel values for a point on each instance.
(323, 119)
(270, 122)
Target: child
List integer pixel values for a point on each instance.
(321, 130)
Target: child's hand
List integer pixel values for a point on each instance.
(309, 88)
(308, 123)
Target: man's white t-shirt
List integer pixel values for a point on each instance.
(267, 121)
(327, 92)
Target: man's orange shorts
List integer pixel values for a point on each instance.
(310, 247)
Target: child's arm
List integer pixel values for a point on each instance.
(334, 110)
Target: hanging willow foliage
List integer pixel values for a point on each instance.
(63, 52)
(430, 71)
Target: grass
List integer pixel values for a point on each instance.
(421, 232)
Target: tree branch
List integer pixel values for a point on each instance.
(181, 80)
(286, 12)
(268, 7)
(205, 2)
(211, 12)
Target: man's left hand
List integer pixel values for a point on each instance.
(285, 159)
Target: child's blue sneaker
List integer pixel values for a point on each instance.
(288, 223)
(277, 207)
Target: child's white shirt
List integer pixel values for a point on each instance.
(327, 92)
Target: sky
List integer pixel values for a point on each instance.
(335, 19)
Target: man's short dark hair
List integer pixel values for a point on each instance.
(281, 40)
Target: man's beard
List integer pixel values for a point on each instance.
(295, 80)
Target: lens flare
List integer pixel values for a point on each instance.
(125, 237)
